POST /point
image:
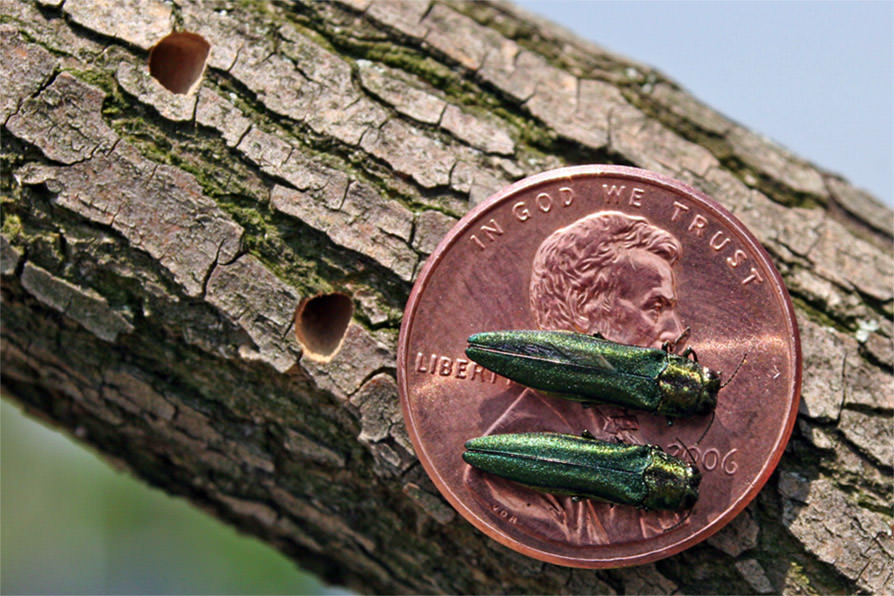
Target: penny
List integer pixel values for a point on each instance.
(639, 258)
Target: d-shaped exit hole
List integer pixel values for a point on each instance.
(178, 61)
(321, 323)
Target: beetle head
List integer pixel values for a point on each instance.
(670, 482)
(688, 388)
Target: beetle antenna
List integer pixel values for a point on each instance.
(683, 335)
(707, 428)
(730, 380)
(688, 452)
(682, 520)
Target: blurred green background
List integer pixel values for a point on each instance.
(69, 523)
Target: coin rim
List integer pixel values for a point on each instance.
(570, 173)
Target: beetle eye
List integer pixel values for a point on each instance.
(711, 375)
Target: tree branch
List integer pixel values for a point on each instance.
(155, 248)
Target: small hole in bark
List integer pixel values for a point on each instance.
(321, 322)
(178, 61)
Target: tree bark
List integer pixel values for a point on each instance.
(155, 248)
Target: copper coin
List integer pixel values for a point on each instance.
(638, 257)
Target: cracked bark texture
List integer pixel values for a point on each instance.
(155, 248)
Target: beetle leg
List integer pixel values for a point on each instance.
(689, 352)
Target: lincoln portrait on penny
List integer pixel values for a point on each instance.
(608, 273)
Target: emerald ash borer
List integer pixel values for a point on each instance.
(582, 466)
(593, 370)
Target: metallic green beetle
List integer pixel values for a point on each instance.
(594, 370)
(581, 466)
